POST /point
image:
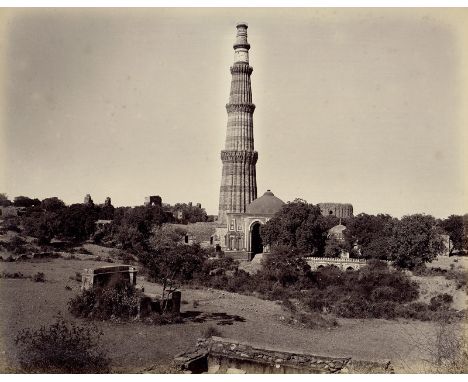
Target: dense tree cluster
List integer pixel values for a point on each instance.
(456, 227)
(409, 242)
(188, 213)
(4, 201)
(299, 225)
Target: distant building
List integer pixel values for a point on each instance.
(340, 210)
(337, 232)
(448, 245)
(102, 224)
(87, 200)
(154, 200)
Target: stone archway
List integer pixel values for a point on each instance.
(256, 243)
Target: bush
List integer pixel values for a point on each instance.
(314, 320)
(441, 301)
(15, 275)
(63, 347)
(119, 302)
(459, 277)
(39, 277)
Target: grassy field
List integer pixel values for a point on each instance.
(135, 346)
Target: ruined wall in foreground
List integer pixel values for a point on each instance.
(218, 355)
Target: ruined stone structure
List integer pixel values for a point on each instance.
(238, 181)
(87, 200)
(153, 200)
(337, 232)
(340, 210)
(345, 264)
(108, 276)
(113, 275)
(218, 355)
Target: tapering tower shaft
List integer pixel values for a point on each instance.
(238, 181)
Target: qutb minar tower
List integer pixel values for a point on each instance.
(238, 181)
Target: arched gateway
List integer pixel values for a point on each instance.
(256, 243)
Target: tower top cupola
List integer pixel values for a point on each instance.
(241, 46)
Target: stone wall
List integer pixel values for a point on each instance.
(221, 355)
(107, 277)
(340, 210)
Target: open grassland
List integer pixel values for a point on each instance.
(136, 346)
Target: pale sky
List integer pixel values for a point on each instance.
(353, 105)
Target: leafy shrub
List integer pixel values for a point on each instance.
(459, 277)
(441, 301)
(62, 347)
(121, 301)
(12, 224)
(314, 320)
(15, 275)
(39, 277)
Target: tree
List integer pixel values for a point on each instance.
(4, 201)
(52, 204)
(285, 266)
(24, 201)
(173, 265)
(132, 226)
(191, 214)
(371, 234)
(415, 240)
(454, 227)
(167, 236)
(334, 247)
(77, 222)
(43, 225)
(106, 212)
(298, 225)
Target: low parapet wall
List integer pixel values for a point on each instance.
(221, 355)
(342, 263)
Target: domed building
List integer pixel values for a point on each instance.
(240, 238)
(337, 232)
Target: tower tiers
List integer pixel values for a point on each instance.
(238, 181)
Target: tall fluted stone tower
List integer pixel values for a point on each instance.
(238, 181)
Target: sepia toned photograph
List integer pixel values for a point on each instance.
(233, 190)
